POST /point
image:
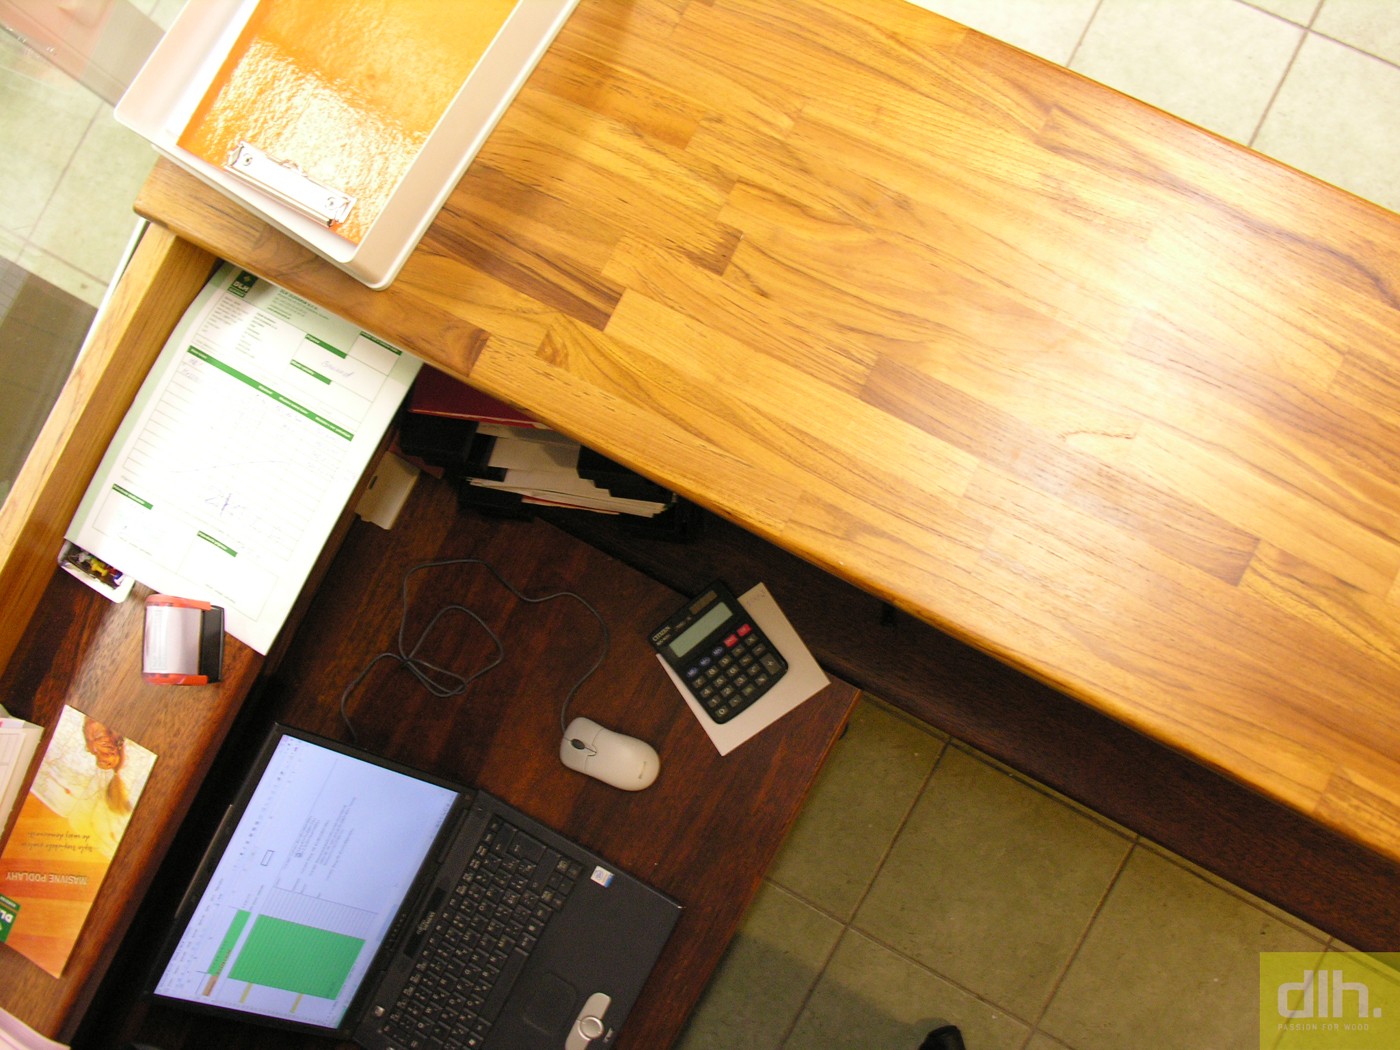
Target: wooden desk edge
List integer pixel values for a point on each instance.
(165, 273)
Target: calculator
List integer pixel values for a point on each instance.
(719, 652)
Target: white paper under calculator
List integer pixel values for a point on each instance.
(241, 451)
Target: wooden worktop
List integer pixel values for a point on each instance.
(1109, 398)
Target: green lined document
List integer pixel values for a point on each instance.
(241, 450)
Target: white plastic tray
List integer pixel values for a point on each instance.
(163, 96)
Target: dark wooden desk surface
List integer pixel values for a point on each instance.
(1103, 395)
(705, 832)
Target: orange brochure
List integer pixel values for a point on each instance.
(65, 836)
(342, 92)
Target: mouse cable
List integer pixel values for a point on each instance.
(443, 683)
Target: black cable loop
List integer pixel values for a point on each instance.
(445, 684)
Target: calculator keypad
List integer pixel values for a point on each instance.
(733, 672)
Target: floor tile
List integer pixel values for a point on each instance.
(992, 883)
(61, 274)
(1244, 895)
(871, 997)
(763, 982)
(1041, 1041)
(90, 218)
(11, 244)
(1169, 952)
(1011, 771)
(1048, 28)
(1215, 63)
(1298, 11)
(162, 12)
(1371, 25)
(846, 828)
(41, 124)
(1327, 118)
(41, 331)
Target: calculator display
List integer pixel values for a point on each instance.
(699, 630)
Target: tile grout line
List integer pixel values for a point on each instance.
(1045, 790)
(850, 928)
(969, 991)
(1309, 31)
(1278, 88)
(1267, 907)
(1133, 846)
(848, 925)
(67, 170)
(1084, 33)
(29, 244)
(944, 745)
(1355, 49)
(797, 1015)
(1317, 9)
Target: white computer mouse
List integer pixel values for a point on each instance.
(622, 761)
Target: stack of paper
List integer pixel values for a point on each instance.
(18, 742)
(16, 1035)
(548, 469)
(501, 458)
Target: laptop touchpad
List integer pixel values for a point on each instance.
(550, 1003)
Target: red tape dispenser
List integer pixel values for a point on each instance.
(184, 642)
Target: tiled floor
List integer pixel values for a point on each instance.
(68, 175)
(1313, 83)
(924, 880)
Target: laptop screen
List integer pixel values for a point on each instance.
(303, 885)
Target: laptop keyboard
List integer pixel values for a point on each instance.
(484, 931)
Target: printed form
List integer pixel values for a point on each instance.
(241, 451)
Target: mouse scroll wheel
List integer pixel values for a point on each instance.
(579, 745)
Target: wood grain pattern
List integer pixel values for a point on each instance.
(1093, 390)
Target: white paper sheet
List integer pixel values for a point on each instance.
(16, 1035)
(804, 678)
(18, 742)
(241, 451)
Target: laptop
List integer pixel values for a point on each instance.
(352, 896)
